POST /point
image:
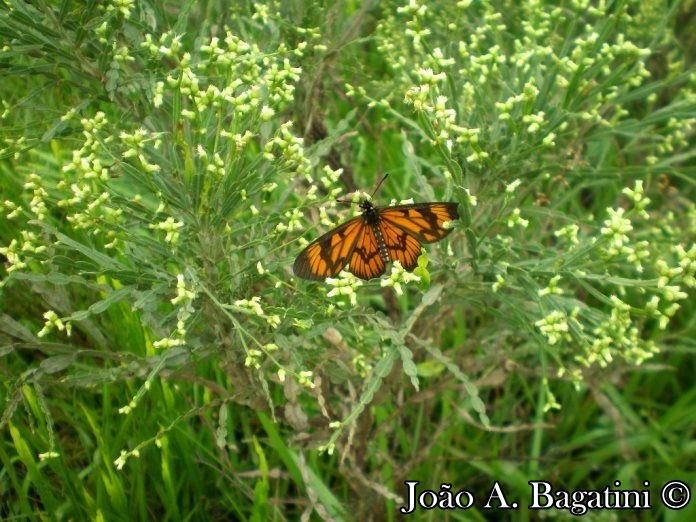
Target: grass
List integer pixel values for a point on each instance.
(163, 165)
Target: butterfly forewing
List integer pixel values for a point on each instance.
(365, 241)
(425, 221)
(328, 255)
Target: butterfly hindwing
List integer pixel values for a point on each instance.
(401, 245)
(366, 261)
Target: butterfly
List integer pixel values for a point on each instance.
(379, 235)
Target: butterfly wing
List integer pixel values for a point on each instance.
(405, 227)
(327, 255)
(366, 261)
(401, 245)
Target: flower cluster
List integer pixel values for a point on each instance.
(484, 69)
(53, 322)
(344, 285)
(397, 277)
(254, 307)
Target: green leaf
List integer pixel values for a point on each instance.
(409, 366)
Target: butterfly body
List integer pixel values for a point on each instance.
(371, 216)
(377, 236)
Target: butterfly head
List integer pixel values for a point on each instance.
(369, 211)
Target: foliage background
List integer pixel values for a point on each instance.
(163, 163)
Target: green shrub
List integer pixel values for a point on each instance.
(163, 165)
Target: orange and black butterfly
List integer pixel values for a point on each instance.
(379, 235)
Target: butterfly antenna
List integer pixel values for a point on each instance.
(379, 184)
